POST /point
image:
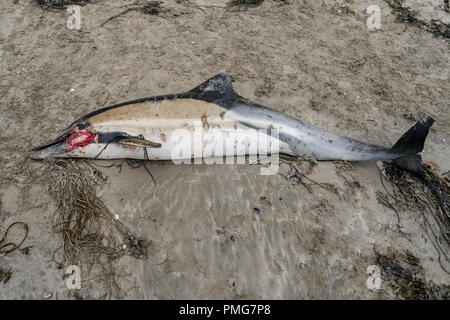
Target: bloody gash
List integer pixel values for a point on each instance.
(149, 128)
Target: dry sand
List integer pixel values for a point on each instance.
(315, 60)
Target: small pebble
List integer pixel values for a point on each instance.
(47, 295)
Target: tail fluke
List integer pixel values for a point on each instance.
(410, 144)
(413, 140)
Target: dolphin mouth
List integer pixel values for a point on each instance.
(57, 140)
(52, 149)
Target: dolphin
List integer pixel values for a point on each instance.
(145, 129)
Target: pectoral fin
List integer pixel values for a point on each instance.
(139, 143)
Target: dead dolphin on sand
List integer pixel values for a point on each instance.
(143, 129)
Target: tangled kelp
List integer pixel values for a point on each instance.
(407, 15)
(149, 7)
(152, 7)
(406, 277)
(5, 274)
(299, 169)
(245, 3)
(92, 238)
(9, 247)
(427, 194)
(61, 4)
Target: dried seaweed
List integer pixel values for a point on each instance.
(244, 3)
(61, 4)
(92, 238)
(300, 167)
(407, 15)
(9, 247)
(406, 277)
(152, 7)
(5, 274)
(427, 194)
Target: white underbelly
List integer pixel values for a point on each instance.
(190, 143)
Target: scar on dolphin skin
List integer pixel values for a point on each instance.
(205, 123)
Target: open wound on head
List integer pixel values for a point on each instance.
(81, 138)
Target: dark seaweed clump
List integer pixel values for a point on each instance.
(410, 16)
(427, 196)
(152, 7)
(61, 4)
(5, 274)
(245, 3)
(406, 277)
(427, 193)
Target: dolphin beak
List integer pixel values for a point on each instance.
(52, 148)
(50, 151)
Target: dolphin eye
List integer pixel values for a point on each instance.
(81, 138)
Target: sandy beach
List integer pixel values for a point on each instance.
(313, 60)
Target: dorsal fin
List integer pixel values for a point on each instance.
(220, 83)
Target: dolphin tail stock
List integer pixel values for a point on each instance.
(410, 144)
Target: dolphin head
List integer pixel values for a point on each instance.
(75, 137)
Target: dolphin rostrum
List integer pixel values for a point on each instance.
(145, 129)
